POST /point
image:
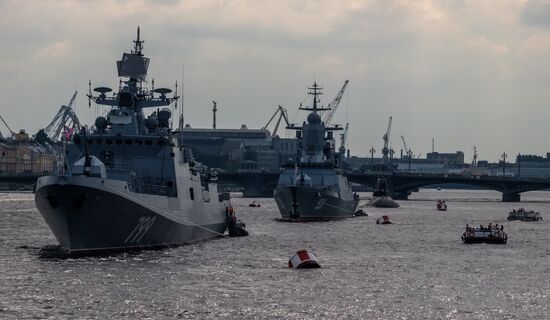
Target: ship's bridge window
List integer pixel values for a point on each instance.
(98, 141)
(108, 141)
(139, 142)
(128, 141)
(148, 142)
(118, 141)
(160, 142)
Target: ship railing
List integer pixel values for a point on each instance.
(142, 185)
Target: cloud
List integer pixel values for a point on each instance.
(449, 68)
(536, 13)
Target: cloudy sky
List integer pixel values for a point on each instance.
(465, 72)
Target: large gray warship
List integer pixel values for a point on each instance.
(313, 188)
(128, 181)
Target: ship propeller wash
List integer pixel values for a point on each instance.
(312, 187)
(128, 181)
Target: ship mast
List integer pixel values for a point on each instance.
(138, 45)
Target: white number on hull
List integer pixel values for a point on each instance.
(320, 204)
(144, 224)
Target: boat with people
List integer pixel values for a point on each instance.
(380, 196)
(524, 215)
(492, 234)
(254, 204)
(129, 182)
(312, 187)
(441, 205)
(383, 220)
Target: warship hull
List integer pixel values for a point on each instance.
(87, 217)
(297, 203)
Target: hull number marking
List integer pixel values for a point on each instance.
(144, 224)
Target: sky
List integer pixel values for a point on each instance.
(463, 72)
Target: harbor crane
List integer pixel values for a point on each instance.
(386, 138)
(474, 158)
(11, 131)
(407, 150)
(343, 140)
(65, 118)
(333, 105)
(282, 115)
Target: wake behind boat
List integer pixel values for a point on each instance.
(131, 182)
(313, 188)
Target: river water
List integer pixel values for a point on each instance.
(416, 268)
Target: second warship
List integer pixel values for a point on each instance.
(312, 187)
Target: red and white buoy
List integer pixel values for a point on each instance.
(303, 259)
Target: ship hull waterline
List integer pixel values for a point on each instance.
(297, 203)
(85, 219)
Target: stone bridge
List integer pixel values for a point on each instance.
(401, 185)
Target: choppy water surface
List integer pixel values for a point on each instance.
(416, 268)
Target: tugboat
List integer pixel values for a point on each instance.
(485, 235)
(129, 183)
(380, 197)
(524, 215)
(383, 220)
(313, 188)
(441, 205)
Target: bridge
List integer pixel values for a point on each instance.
(400, 185)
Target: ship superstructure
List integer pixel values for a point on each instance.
(128, 181)
(314, 188)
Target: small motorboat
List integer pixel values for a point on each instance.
(524, 215)
(441, 205)
(360, 213)
(254, 204)
(303, 259)
(383, 220)
(484, 235)
(238, 229)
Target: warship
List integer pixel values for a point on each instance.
(128, 182)
(313, 187)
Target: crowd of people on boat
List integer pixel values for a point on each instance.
(489, 228)
(518, 210)
(494, 230)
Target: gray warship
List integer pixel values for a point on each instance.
(312, 187)
(128, 182)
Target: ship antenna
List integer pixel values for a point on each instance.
(138, 44)
(89, 93)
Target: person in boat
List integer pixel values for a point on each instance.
(231, 219)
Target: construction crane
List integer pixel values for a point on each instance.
(407, 150)
(11, 131)
(282, 115)
(343, 138)
(65, 118)
(334, 104)
(386, 138)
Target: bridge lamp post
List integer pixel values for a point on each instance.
(372, 151)
(410, 156)
(519, 165)
(504, 155)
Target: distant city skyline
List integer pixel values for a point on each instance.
(465, 72)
